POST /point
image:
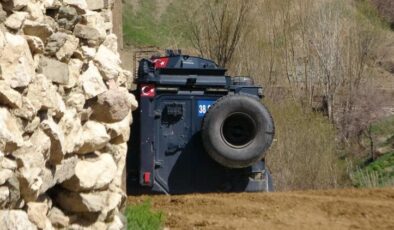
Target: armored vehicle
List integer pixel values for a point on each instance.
(197, 130)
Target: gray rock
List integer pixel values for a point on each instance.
(10, 132)
(37, 214)
(35, 44)
(16, 62)
(58, 218)
(56, 136)
(16, 20)
(88, 202)
(92, 82)
(9, 97)
(94, 137)
(92, 174)
(88, 32)
(55, 70)
(111, 106)
(15, 220)
(41, 30)
(108, 62)
(68, 17)
(95, 4)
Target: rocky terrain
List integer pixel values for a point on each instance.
(65, 115)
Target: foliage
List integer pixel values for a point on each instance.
(141, 217)
(304, 154)
(379, 173)
(145, 26)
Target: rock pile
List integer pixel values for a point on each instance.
(64, 116)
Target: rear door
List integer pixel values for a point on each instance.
(173, 166)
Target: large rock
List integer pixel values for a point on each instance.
(88, 32)
(38, 29)
(37, 214)
(65, 52)
(4, 196)
(61, 45)
(56, 136)
(34, 152)
(3, 14)
(111, 106)
(88, 202)
(55, 70)
(94, 137)
(79, 3)
(74, 71)
(120, 131)
(92, 174)
(5, 174)
(109, 63)
(92, 82)
(58, 174)
(16, 62)
(30, 182)
(68, 17)
(43, 95)
(16, 20)
(9, 97)
(71, 126)
(28, 110)
(58, 219)
(15, 220)
(95, 4)
(35, 43)
(10, 132)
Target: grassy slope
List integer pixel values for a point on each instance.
(381, 171)
(149, 26)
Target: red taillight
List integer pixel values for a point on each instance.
(161, 63)
(146, 177)
(148, 91)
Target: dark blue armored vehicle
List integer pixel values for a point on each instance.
(197, 130)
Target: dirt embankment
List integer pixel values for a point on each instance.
(337, 209)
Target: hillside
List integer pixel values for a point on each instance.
(363, 90)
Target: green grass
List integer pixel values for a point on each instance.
(142, 217)
(384, 127)
(370, 13)
(143, 27)
(379, 173)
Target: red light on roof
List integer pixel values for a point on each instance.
(148, 91)
(161, 63)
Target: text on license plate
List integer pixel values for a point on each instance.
(203, 106)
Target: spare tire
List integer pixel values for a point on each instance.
(237, 130)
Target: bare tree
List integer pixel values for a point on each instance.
(218, 27)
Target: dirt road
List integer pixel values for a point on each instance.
(336, 209)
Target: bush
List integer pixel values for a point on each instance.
(304, 154)
(141, 217)
(379, 173)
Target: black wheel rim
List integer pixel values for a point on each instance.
(238, 130)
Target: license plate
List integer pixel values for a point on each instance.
(203, 106)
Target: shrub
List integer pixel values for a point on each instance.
(141, 217)
(304, 154)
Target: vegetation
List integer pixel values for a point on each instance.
(316, 60)
(141, 217)
(304, 154)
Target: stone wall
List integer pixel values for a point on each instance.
(64, 116)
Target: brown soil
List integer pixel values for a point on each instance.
(334, 209)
